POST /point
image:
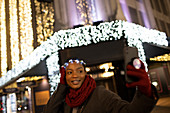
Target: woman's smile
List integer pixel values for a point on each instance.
(75, 82)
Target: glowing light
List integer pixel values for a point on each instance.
(45, 20)
(19, 109)
(165, 57)
(3, 38)
(14, 32)
(35, 78)
(155, 83)
(107, 74)
(25, 107)
(87, 69)
(20, 40)
(105, 66)
(85, 9)
(27, 87)
(112, 67)
(26, 31)
(137, 34)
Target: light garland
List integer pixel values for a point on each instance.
(44, 20)
(3, 38)
(137, 34)
(26, 79)
(14, 32)
(26, 30)
(83, 36)
(84, 9)
(165, 57)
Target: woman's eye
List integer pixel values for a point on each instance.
(80, 71)
(69, 72)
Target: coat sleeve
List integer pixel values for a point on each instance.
(112, 103)
(56, 101)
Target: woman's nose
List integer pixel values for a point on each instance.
(74, 74)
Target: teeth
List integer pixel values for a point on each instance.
(75, 81)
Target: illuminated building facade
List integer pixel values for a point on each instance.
(147, 13)
(34, 22)
(24, 25)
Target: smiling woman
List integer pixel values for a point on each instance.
(81, 85)
(78, 93)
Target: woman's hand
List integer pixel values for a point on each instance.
(143, 82)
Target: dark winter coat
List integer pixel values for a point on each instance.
(101, 101)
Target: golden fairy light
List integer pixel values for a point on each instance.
(26, 30)
(165, 57)
(3, 38)
(84, 8)
(21, 32)
(44, 20)
(14, 32)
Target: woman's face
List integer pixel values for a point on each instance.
(75, 75)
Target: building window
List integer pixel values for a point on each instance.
(134, 15)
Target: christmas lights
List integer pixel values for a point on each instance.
(165, 57)
(14, 32)
(86, 35)
(44, 20)
(84, 10)
(3, 38)
(26, 30)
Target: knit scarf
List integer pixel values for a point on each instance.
(76, 97)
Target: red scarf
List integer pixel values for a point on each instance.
(76, 97)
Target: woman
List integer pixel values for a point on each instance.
(78, 93)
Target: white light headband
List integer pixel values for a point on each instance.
(72, 60)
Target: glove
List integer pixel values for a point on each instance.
(143, 83)
(62, 78)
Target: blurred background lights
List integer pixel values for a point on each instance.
(165, 57)
(87, 69)
(107, 74)
(106, 67)
(155, 84)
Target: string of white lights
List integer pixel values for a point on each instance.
(84, 36)
(137, 34)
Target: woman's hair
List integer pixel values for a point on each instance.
(71, 60)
